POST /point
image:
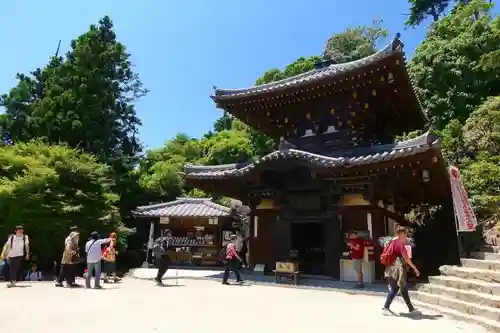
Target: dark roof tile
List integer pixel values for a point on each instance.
(310, 76)
(184, 207)
(355, 157)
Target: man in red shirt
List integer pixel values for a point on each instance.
(357, 252)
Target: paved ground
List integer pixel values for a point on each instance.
(203, 306)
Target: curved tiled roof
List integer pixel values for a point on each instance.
(354, 157)
(184, 207)
(310, 76)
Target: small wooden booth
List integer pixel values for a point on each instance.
(199, 228)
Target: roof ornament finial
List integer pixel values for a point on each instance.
(284, 145)
(397, 44)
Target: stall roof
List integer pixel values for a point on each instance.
(184, 207)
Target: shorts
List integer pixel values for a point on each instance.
(357, 264)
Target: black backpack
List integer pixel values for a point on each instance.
(222, 254)
(160, 247)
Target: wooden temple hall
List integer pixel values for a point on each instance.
(337, 167)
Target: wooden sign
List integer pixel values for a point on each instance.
(286, 267)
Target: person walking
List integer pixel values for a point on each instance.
(109, 260)
(18, 250)
(160, 248)
(94, 256)
(70, 259)
(396, 271)
(232, 261)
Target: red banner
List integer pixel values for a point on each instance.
(466, 219)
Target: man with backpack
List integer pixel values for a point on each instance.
(17, 250)
(232, 261)
(396, 259)
(94, 257)
(160, 247)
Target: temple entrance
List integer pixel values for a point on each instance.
(308, 243)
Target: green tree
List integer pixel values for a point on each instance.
(450, 66)
(422, 9)
(482, 129)
(49, 188)
(227, 147)
(355, 43)
(84, 99)
(160, 171)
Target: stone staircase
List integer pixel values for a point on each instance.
(470, 292)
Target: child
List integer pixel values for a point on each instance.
(34, 274)
(109, 259)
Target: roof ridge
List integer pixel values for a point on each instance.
(387, 50)
(413, 146)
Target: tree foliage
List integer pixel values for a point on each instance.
(449, 66)
(82, 99)
(49, 188)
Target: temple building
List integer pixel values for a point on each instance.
(337, 167)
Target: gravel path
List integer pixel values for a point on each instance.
(203, 306)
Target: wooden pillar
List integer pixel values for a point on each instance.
(333, 246)
(281, 238)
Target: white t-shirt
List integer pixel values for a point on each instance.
(93, 249)
(17, 249)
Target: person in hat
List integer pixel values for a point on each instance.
(94, 259)
(160, 251)
(232, 261)
(70, 260)
(17, 250)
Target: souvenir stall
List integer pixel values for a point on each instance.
(198, 228)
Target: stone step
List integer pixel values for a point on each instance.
(466, 284)
(470, 296)
(458, 305)
(493, 265)
(471, 273)
(486, 255)
(492, 325)
(491, 248)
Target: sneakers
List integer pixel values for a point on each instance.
(387, 312)
(59, 284)
(98, 287)
(359, 286)
(415, 312)
(158, 282)
(11, 284)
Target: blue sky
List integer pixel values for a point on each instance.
(181, 49)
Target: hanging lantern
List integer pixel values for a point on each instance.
(354, 94)
(286, 120)
(332, 111)
(308, 115)
(353, 114)
(374, 92)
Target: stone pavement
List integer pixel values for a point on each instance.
(193, 305)
(305, 283)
